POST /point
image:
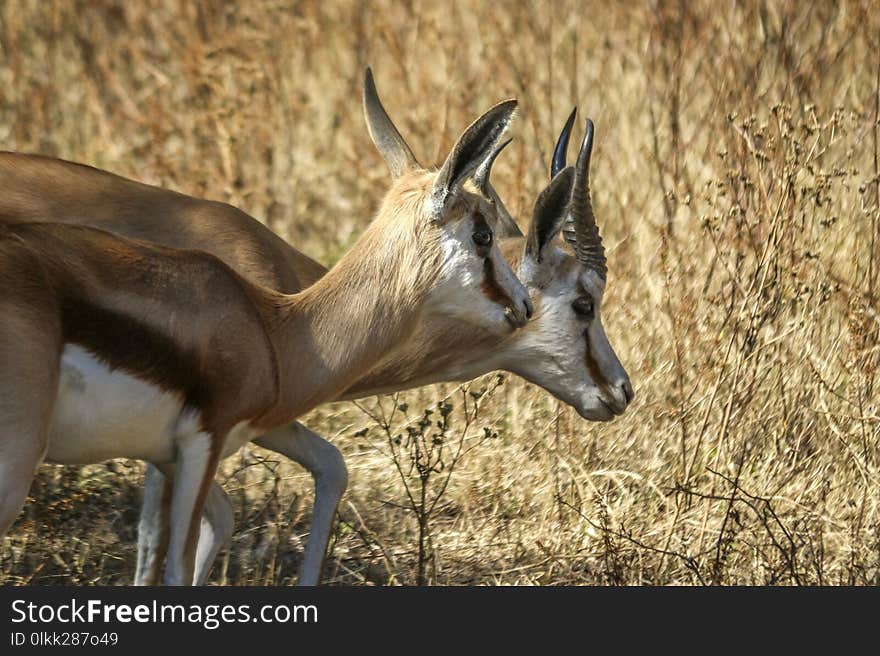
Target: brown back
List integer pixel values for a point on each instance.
(45, 189)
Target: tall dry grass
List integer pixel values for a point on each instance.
(737, 184)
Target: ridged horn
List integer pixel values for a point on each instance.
(580, 229)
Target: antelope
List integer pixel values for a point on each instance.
(563, 348)
(114, 347)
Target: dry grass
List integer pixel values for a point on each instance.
(736, 183)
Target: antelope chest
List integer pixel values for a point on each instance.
(102, 413)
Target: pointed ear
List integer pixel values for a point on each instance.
(551, 209)
(473, 148)
(387, 139)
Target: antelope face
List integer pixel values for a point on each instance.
(474, 285)
(565, 349)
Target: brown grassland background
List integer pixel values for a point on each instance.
(735, 180)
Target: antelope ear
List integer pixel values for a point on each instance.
(551, 210)
(385, 136)
(472, 149)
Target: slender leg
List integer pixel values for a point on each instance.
(20, 455)
(296, 442)
(216, 531)
(30, 384)
(216, 528)
(153, 526)
(325, 463)
(194, 472)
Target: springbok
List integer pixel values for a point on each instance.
(552, 351)
(113, 347)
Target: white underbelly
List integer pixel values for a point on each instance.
(101, 414)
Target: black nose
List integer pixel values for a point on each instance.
(627, 390)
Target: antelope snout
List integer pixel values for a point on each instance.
(519, 312)
(622, 393)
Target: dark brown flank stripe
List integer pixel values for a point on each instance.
(124, 343)
(149, 355)
(206, 371)
(593, 366)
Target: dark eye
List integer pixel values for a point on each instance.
(583, 307)
(483, 237)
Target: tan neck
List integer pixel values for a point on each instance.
(334, 332)
(440, 351)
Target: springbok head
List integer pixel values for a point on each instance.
(455, 219)
(565, 349)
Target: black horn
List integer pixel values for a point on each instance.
(559, 153)
(580, 229)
